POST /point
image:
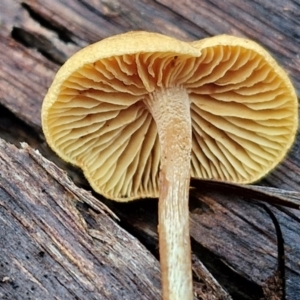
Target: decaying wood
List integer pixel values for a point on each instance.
(234, 238)
(49, 250)
(208, 288)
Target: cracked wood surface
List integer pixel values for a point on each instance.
(51, 251)
(234, 238)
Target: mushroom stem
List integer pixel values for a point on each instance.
(171, 110)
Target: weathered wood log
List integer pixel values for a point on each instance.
(233, 237)
(53, 247)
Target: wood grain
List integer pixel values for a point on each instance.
(49, 250)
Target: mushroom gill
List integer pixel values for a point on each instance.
(242, 108)
(244, 111)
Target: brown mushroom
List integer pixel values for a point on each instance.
(141, 112)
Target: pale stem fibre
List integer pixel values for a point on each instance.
(171, 111)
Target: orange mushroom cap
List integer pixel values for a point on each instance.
(243, 108)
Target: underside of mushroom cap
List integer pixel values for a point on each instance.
(244, 111)
(243, 108)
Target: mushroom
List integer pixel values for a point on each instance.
(141, 112)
